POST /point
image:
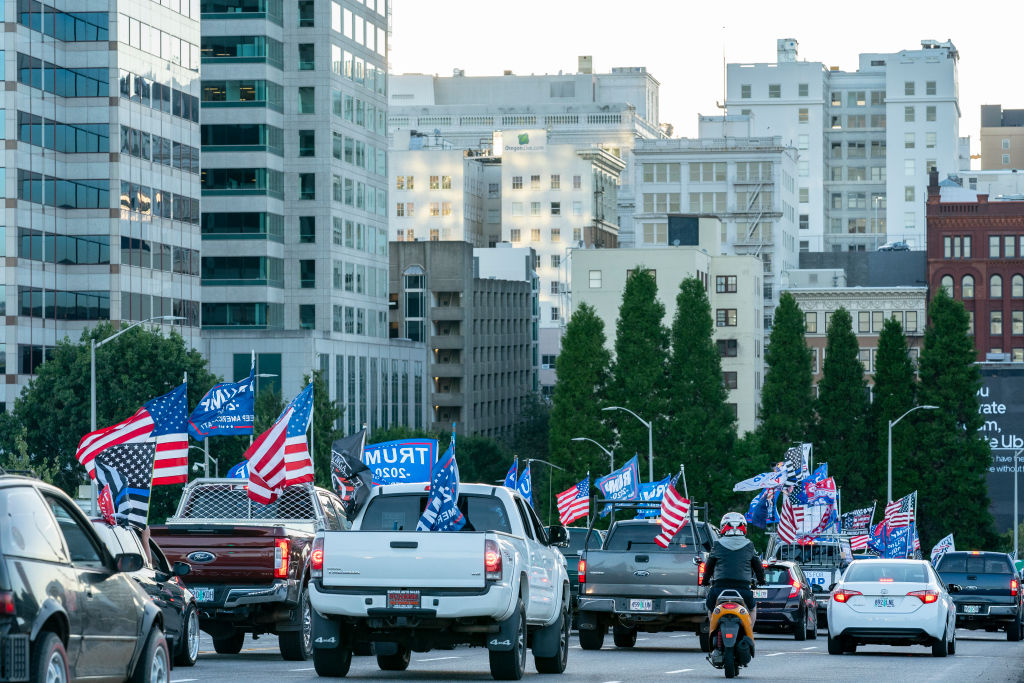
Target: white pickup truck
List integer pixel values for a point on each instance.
(499, 583)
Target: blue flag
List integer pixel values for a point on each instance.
(513, 472)
(239, 471)
(820, 474)
(761, 508)
(525, 485)
(622, 484)
(897, 543)
(228, 409)
(442, 512)
(652, 492)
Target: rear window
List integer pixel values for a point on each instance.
(776, 576)
(402, 511)
(817, 554)
(975, 564)
(887, 571)
(641, 536)
(576, 538)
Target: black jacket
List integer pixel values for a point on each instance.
(733, 559)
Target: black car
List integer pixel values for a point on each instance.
(786, 603)
(161, 582)
(69, 609)
(577, 536)
(986, 590)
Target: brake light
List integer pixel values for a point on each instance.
(583, 570)
(281, 548)
(927, 597)
(844, 595)
(1014, 586)
(794, 588)
(729, 605)
(316, 558)
(6, 603)
(492, 560)
(885, 579)
(700, 573)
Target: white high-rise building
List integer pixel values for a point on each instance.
(866, 138)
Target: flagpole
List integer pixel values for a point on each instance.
(689, 512)
(206, 456)
(252, 370)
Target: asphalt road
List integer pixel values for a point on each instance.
(656, 657)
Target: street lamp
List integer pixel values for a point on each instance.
(92, 384)
(206, 462)
(650, 440)
(611, 456)
(892, 423)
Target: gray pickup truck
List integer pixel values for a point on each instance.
(632, 584)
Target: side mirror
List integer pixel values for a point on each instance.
(181, 568)
(832, 587)
(558, 536)
(954, 588)
(129, 562)
(817, 588)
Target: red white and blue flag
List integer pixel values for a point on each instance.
(900, 513)
(791, 519)
(574, 502)
(280, 456)
(675, 512)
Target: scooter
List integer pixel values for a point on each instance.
(731, 634)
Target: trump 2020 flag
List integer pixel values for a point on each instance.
(622, 484)
(228, 409)
(442, 512)
(525, 485)
(279, 457)
(942, 547)
(513, 473)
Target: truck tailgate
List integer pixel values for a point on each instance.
(655, 574)
(234, 554)
(385, 559)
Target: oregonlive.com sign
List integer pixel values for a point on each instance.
(1001, 404)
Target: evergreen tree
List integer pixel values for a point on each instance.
(786, 407)
(704, 426)
(951, 458)
(639, 374)
(582, 368)
(323, 428)
(893, 395)
(841, 433)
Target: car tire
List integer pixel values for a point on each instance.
(704, 640)
(154, 666)
(188, 641)
(729, 662)
(951, 646)
(940, 647)
(812, 631)
(592, 639)
(1013, 631)
(508, 665)
(623, 636)
(297, 646)
(396, 662)
(49, 659)
(835, 645)
(229, 645)
(849, 647)
(333, 663)
(800, 628)
(557, 664)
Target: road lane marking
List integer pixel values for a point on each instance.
(678, 671)
(310, 668)
(812, 647)
(681, 635)
(775, 654)
(184, 680)
(436, 659)
(639, 639)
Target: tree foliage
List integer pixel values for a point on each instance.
(893, 394)
(323, 428)
(786, 407)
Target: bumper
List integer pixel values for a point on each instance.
(250, 605)
(922, 625)
(988, 614)
(14, 657)
(496, 602)
(777, 617)
(660, 606)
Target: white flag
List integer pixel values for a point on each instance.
(942, 547)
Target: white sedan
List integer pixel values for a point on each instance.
(891, 602)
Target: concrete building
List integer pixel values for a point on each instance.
(998, 184)
(747, 182)
(866, 138)
(1002, 138)
(294, 223)
(734, 285)
(586, 109)
(480, 330)
(100, 172)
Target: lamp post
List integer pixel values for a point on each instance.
(892, 423)
(611, 456)
(92, 384)
(549, 464)
(650, 440)
(206, 462)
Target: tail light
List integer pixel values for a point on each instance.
(700, 573)
(281, 548)
(927, 597)
(794, 588)
(583, 570)
(729, 605)
(492, 560)
(1014, 587)
(316, 558)
(844, 595)
(6, 603)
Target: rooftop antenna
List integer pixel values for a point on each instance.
(721, 105)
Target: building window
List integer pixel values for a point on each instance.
(307, 143)
(1017, 286)
(535, 235)
(556, 182)
(555, 288)
(306, 61)
(864, 356)
(307, 100)
(725, 317)
(595, 279)
(993, 246)
(556, 208)
(556, 234)
(775, 91)
(995, 287)
(995, 322)
(929, 113)
(947, 284)
(517, 182)
(730, 379)
(305, 13)
(908, 88)
(725, 284)
(802, 115)
(929, 88)
(967, 287)
(1005, 159)
(811, 322)
(514, 235)
(307, 274)
(535, 182)
(745, 92)
(1005, 143)
(864, 322)
(556, 260)
(307, 316)
(307, 229)
(534, 208)
(1017, 322)
(911, 325)
(908, 140)
(727, 348)
(307, 186)
(554, 314)
(801, 90)
(909, 167)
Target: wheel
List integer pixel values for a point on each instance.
(849, 647)
(729, 662)
(297, 646)
(396, 662)
(1013, 631)
(229, 645)
(835, 645)
(704, 640)
(940, 647)
(155, 664)
(188, 648)
(623, 636)
(556, 664)
(49, 659)
(334, 662)
(592, 640)
(812, 631)
(508, 665)
(951, 647)
(800, 628)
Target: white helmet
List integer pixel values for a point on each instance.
(733, 524)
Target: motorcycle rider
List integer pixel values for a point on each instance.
(732, 563)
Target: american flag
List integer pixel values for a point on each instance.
(280, 457)
(901, 512)
(125, 470)
(674, 513)
(574, 502)
(791, 518)
(859, 542)
(160, 423)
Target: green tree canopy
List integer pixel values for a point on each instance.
(786, 406)
(893, 394)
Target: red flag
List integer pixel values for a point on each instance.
(791, 520)
(106, 504)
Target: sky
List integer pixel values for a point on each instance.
(681, 42)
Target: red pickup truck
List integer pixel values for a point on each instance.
(250, 562)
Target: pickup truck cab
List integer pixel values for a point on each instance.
(499, 583)
(250, 562)
(632, 584)
(985, 589)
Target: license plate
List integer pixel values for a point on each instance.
(403, 599)
(641, 605)
(885, 602)
(972, 609)
(202, 594)
(760, 594)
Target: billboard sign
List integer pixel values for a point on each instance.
(1001, 404)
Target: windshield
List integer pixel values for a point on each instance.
(401, 512)
(907, 572)
(576, 538)
(641, 537)
(974, 564)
